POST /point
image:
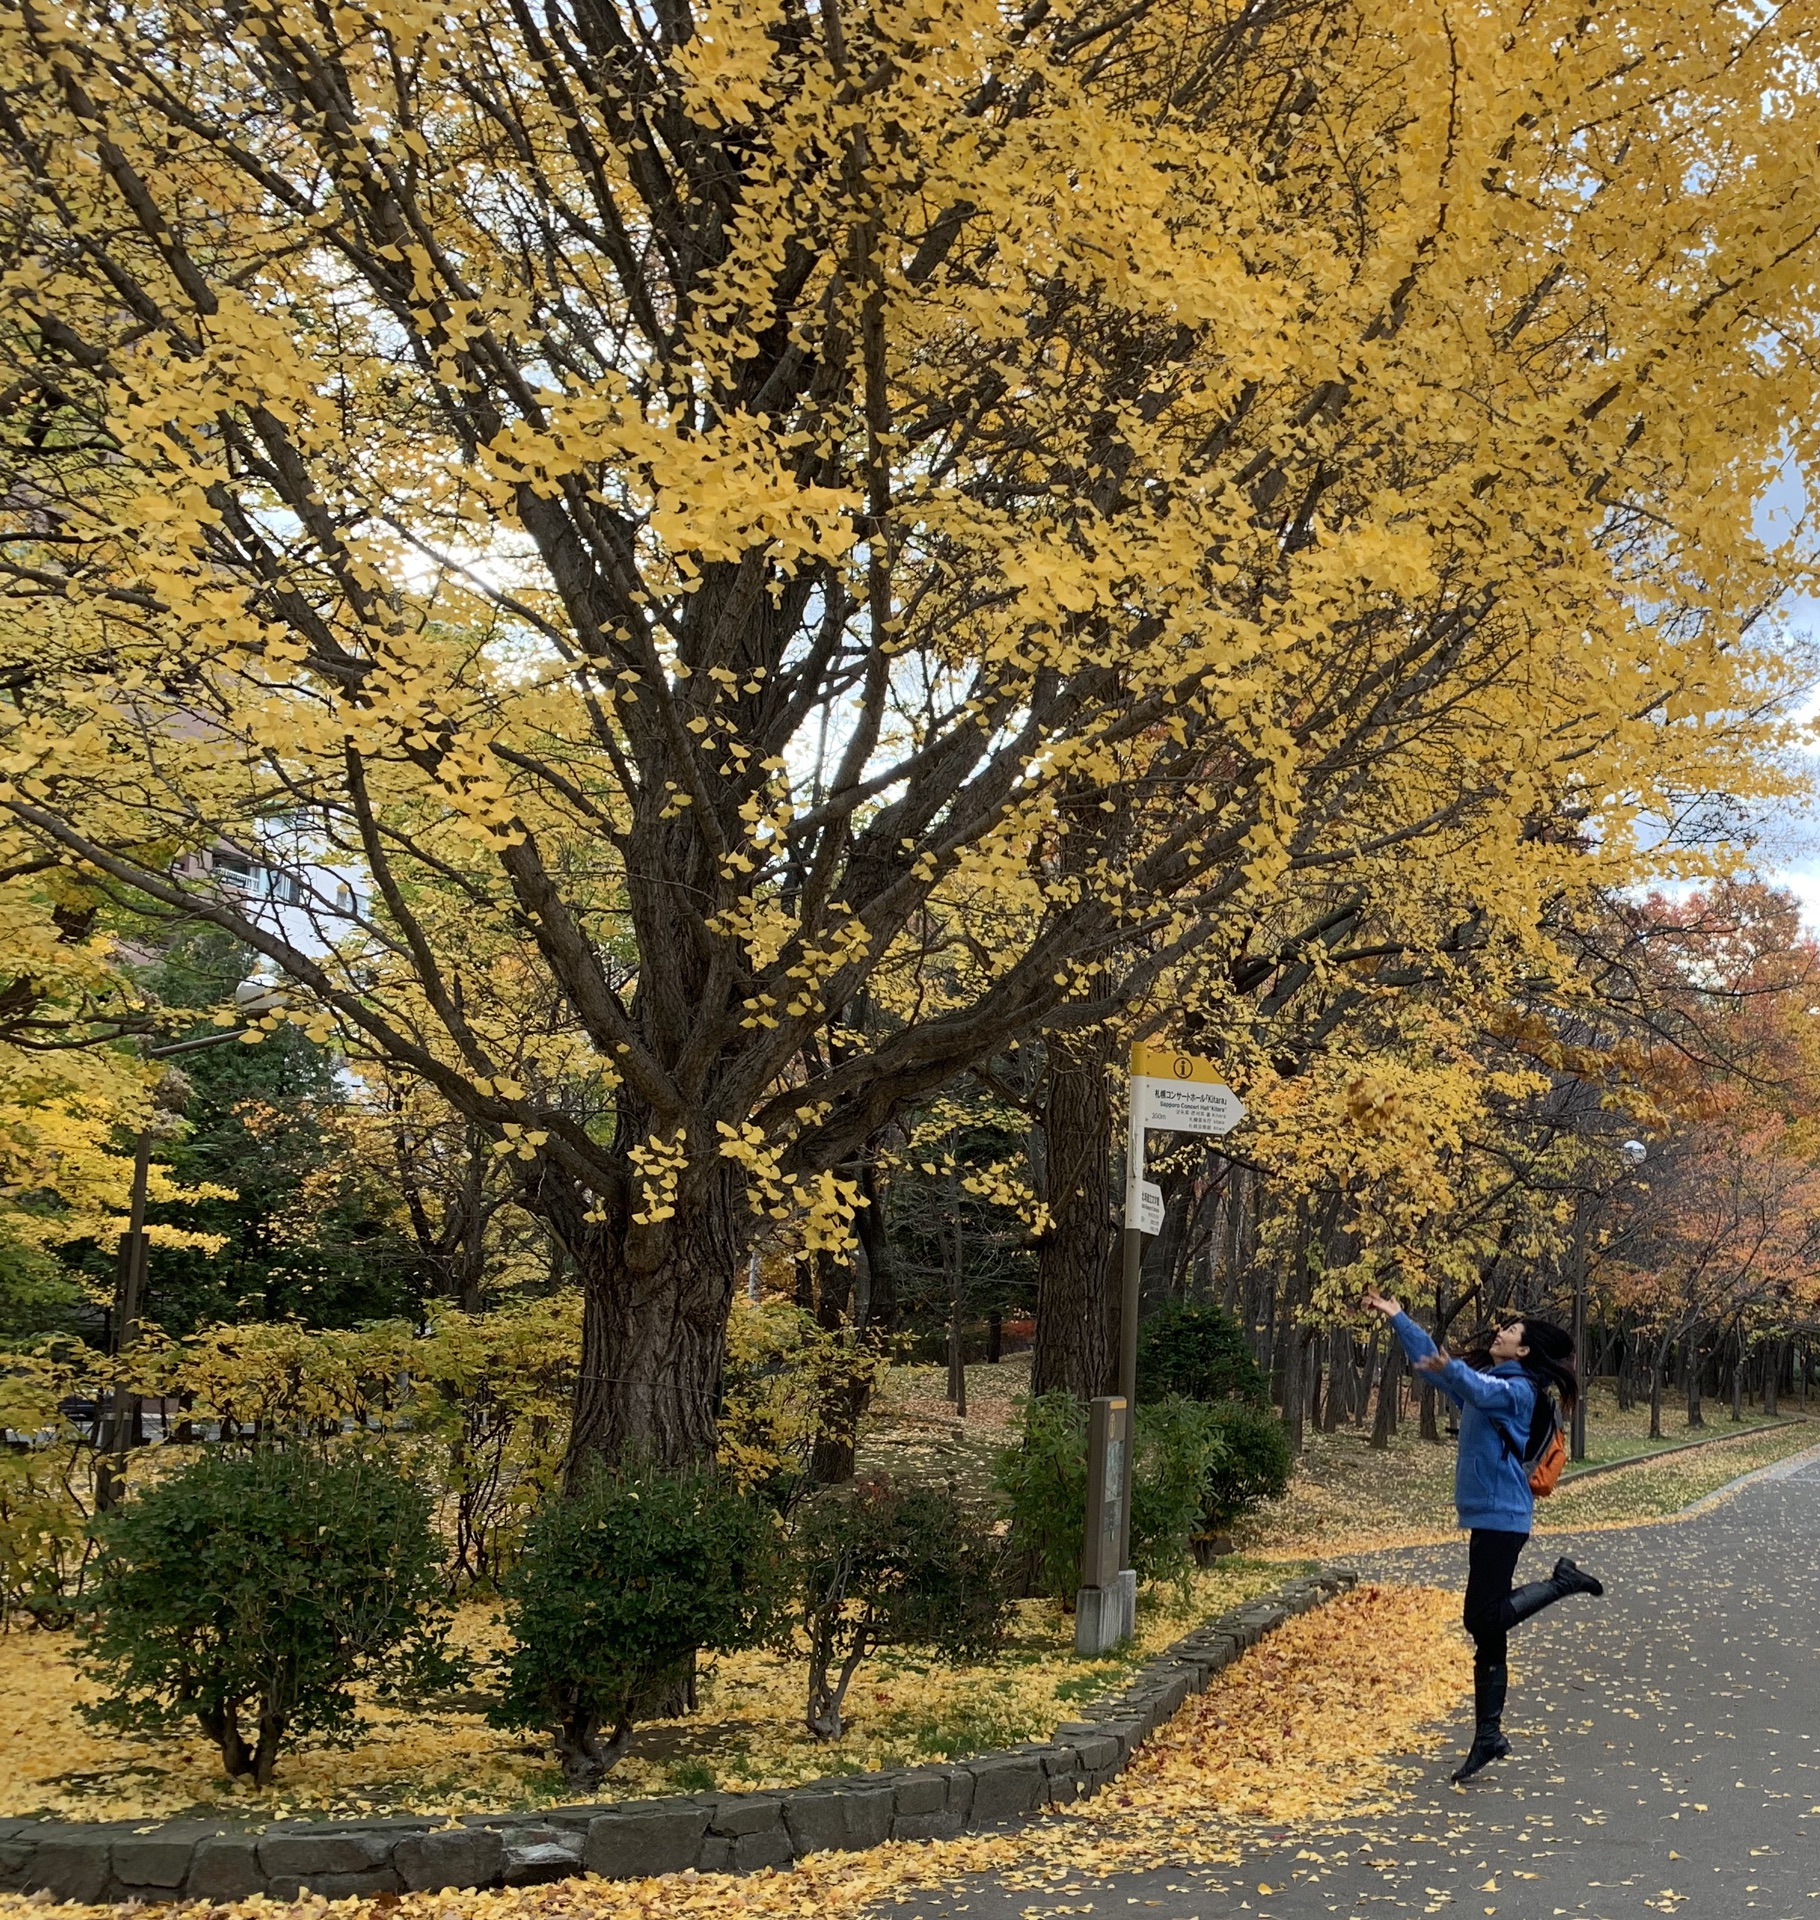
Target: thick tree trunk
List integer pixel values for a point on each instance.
(1772, 1378)
(469, 1262)
(654, 1332)
(1232, 1257)
(954, 1257)
(1076, 1298)
(1295, 1385)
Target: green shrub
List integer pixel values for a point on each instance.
(45, 1545)
(1043, 1478)
(1197, 1353)
(616, 1589)
(1179, 1448)
(1255, 1464)
(44, 1537)
(248, 1593)
(884, 1565)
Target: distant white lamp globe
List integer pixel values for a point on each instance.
(1635, 1152)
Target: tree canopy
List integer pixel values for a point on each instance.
(800, 548)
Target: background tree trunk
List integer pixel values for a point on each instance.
(1338, 1403)
(1390, 1387)
(954, 1258)
(842, 1394)
(1367, 1373)
(1076, 1299)
(880, 1303)
(1657, 1367)
(1429, 1426)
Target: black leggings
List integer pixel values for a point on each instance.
(1491, 1562)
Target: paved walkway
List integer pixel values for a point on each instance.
(1667, 1754)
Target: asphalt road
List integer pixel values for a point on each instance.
(1667, 1755)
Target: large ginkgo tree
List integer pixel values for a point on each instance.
(789, 547)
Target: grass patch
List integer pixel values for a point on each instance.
(1349, 1497)
(692, 1776)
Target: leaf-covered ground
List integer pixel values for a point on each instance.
(1305, 1726)
(1347, 1499)
(747, 1732)
(914, 1429)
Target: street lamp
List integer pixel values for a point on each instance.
(250, 997)
(1633, 1153)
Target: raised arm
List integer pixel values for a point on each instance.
(1491, 1392)
(1422, 1351)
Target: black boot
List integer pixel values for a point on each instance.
(1569, 1578)
(1566, 1578)
(1488, 1742)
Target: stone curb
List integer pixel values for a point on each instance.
(630, 1839)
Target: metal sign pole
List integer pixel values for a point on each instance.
(1177, 1093)
(1128, 1300)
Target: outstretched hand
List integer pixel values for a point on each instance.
(1430, 1363)
(1382, 1303)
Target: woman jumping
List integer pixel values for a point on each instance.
(1497, 1402)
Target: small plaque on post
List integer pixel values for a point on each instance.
(1108, 1433)
(1147, 1215)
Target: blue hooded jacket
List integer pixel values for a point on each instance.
(1490, 1485)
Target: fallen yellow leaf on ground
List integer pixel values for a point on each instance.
(905, 1708)
(1312, 1723)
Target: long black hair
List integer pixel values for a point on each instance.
(1549, 1362)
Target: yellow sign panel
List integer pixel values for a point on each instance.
(1160, 1063)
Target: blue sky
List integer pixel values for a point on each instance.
(1790, 849)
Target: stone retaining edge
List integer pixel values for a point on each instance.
(712, 1833)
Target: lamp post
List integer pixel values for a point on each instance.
(250, 997)
(1633, 1153)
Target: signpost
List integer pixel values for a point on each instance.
(1174, 1093)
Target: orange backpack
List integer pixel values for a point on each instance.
(1545, 1462)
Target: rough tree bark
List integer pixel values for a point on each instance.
(654, 1329)
(1076, 1299)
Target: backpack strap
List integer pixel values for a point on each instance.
(1533, 1448)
